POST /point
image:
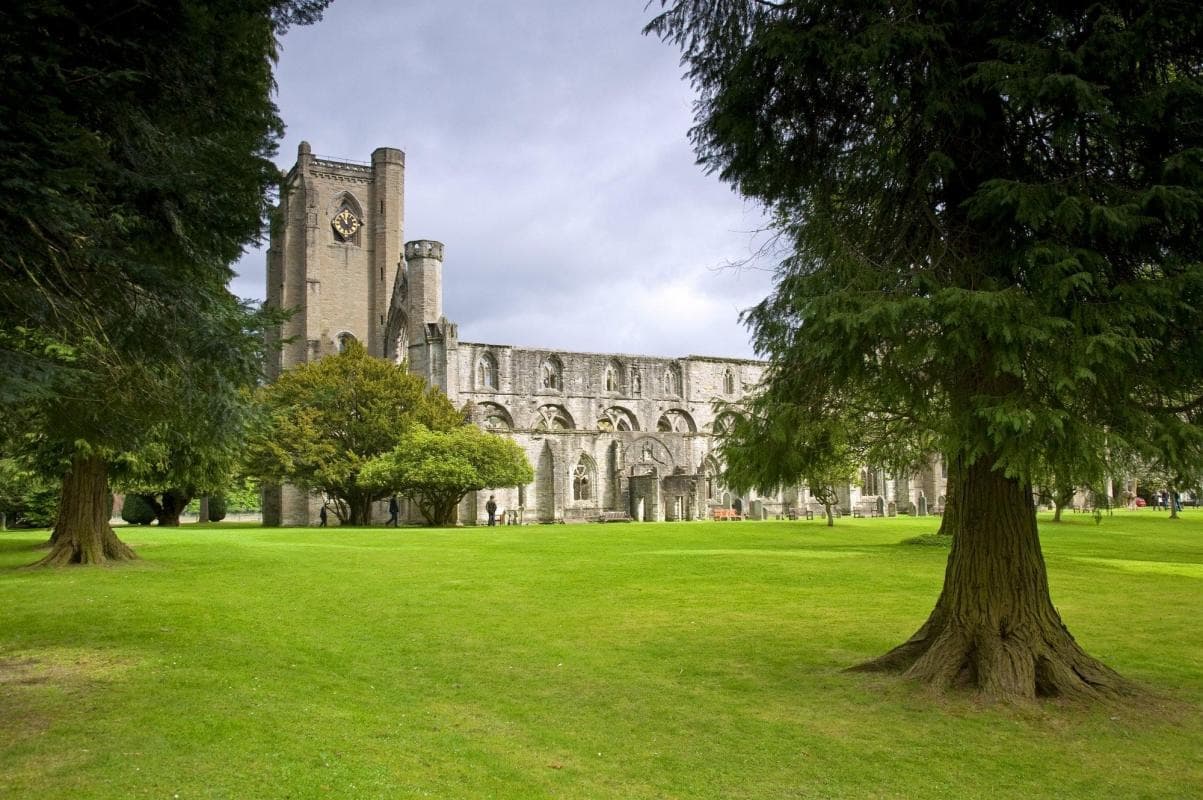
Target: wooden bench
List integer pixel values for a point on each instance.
(614, 516)
(723, 514)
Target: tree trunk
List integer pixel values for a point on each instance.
(830, 516)
(174, 502)
(81, 532)
(994, 628)
(1057, 511)
(359, 507)
(203, 515)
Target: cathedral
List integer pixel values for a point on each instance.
(610, 435)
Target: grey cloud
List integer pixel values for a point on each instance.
(546, 146)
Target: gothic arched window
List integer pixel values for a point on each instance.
(486, 372)
(553, 418)
(724, 422)
(614, 377)
(494, 417)
(672, 380)
(729, 382)
(343, 340)
(551, 374)
(582, 479)
(617, 419)
(676, 421)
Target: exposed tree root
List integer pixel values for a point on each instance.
(994, 629)
(1005, 665)
(95, 547)
(81, 532)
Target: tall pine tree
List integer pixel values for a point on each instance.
(135, 151)
(994, 214)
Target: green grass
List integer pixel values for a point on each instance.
(601, 661)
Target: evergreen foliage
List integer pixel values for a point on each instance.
(137, 510)
(217, 507)
(136, 154)
(993, 214)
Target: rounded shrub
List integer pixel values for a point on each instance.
(136, 511)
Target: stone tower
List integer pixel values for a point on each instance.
(417, 330)
(334, 257)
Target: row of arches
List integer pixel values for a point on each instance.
(618, 378)
(552, 417)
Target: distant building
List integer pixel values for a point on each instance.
(605, 432)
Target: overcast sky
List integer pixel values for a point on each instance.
(547, 147)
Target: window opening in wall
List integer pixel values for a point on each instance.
(616, 419)
(636, 381)
(672, 381)
(729, 382)
(553, 418)
(581, 484)
(343, 340)
(486, 372)
(552, 377)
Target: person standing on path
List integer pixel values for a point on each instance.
(491, 507)
(393, 508)
(322, 516)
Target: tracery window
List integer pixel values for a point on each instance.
(494, 418)
(553, 418)
(723, 423)
(676, 421)
(486, 372)
(614, 377)
(552, 374)
(672, 380)
(582, 479)
(617, 419)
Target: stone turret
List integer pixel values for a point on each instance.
(432, 340)
(424, 272)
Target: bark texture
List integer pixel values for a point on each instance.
(994, 628)
(81, 532)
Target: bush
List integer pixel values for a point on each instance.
(37, 509)
(217, 508)
(136, 511)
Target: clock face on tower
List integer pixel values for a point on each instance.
(345, 223)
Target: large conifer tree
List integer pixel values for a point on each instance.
(994, 212)
(135, 151)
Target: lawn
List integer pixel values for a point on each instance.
(601, 661)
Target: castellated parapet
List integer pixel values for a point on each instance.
(424, 248)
